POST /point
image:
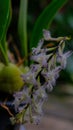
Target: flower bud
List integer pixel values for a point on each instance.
(10, 78)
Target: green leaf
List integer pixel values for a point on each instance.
(22, 27)
(44, 20)
(4, 16)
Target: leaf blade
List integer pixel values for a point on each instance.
(4, 16)
(53, 8)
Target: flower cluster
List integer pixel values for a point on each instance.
(48, 61)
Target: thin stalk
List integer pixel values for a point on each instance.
(22, 27)
(4, 55)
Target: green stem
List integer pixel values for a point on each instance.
(4, 55)
(22, 27)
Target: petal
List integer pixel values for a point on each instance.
(46, 34)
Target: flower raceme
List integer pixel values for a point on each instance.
(43, 73)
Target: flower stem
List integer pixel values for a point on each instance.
(22, 27)
(4, 55)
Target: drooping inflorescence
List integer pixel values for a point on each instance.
(48, 61)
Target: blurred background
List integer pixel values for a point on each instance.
(58, 109)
